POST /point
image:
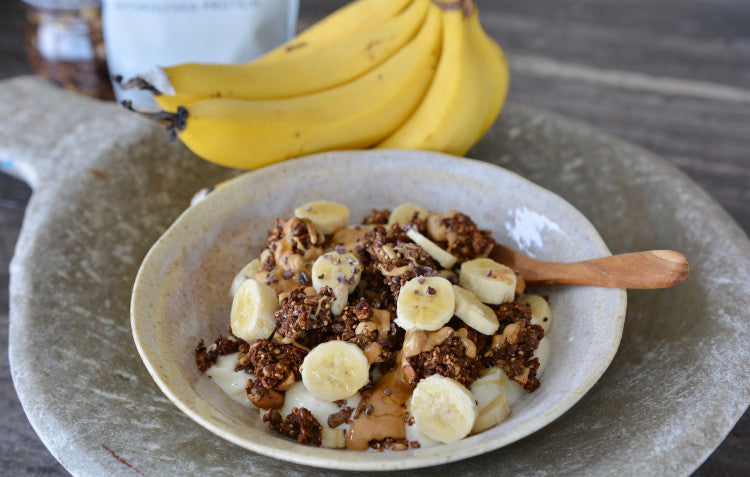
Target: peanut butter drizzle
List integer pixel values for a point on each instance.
(350, 237)
(373, 353)
(469, 346)
(281, 285)
(382, 319)
(383, 414)
(500, 275)
(393, 273)
(509, 334)
(289, 262)
(384, 408)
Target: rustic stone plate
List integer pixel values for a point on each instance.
(181, 291)
(107, 185)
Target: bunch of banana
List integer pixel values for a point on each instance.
(403, 74)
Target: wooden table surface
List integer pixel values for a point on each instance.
(672, 76)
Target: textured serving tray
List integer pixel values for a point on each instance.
(107, 184)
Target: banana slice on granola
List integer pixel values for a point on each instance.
(445, 259)
(333, 268)
(443, 408)
(425, 303)
(253, 307)
(335, 370)
(541, 313)
(475, 313)
(247, 272)
(327, 216)
(491, 282)
(339, 271)
(403, 214)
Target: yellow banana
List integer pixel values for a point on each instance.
(341, 25)
(455, 107)
(297, 75)
(495, 66)
(358, 114)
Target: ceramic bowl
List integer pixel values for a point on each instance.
(181, 291)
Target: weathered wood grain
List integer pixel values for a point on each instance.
(697, 40)
(706, 139)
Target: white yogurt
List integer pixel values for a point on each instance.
(232, 382)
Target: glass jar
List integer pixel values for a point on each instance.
(65, 44)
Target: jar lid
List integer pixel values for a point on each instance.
(64, 4)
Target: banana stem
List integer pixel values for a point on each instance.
(173, 122)
(135, 83)
(467, 6)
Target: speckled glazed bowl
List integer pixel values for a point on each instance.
(181, 292)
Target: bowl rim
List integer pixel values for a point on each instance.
(331, 458)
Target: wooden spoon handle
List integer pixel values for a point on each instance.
(638, 270)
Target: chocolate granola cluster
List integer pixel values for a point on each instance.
(459, 235)
(305, 316)
(206, 357)
(513, 346)
(299, 424)
(275, 367)
(456, 356)
(396, 258)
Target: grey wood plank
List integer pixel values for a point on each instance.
(700, 40)
(706, 139)
(12, 54)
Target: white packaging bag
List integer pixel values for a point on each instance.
(141, 35)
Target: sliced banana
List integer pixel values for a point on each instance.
(443, 409)
(491, 392)
(334, 268)
(541, 313)
(340, 298)
(403, 214)
(333, 438)
(247, 272)
(425, 303)
(253, 307)
(493, 413)
(339, 271)
(495, 392)
(445, 259)
(335, 370)
(475, 313)
(325, 215)
(491, 282)
(414, 434)
(542, 354)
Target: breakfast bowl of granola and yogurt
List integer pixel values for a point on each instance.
(335, 307)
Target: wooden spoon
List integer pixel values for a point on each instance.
(638, 270)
